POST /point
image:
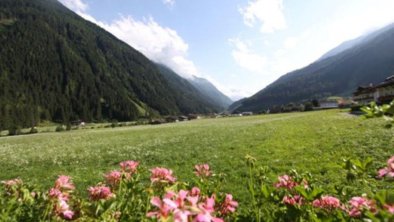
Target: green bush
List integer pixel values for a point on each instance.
(33, 130)
(60, 129)
(15, 130)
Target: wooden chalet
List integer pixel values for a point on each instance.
(380, 93)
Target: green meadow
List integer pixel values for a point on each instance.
(315, 142)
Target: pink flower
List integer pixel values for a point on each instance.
(181, 215)
(159, 174)
(64, 182)
(63, 210)
(100, 192)
(228, 205)
(389, 208)
(202, 170)
(162, 212)
(295, 200)
(327, 202)
(11, 183)
(359, 204)
(182, 207)
(195, 191)
(207, 217)
(206, 210)
(129, 166)
(113, 178)
(388, 170)
(68, 214)
(286, 181)
(57, 194)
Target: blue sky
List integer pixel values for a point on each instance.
(239, 45)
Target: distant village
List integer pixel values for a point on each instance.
(380, 93)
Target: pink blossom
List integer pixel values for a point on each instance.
(57, 194)
(228, 205)
(183, 207)
(160, 174)
(181, 215)
(195, 191)
(327, 202)
(100, 192)
(11, 183)
(113, 178)
(202, 170)
(180, 199)
(129, 166)
(162, 212)
(68, 214)
(207, 217)
(286, 181)
(194, 196)
(359, 204)
(64, 182)
(54, 192)
(206, 210)
(63, 210)
(389, 208)
(388, 171)
(295, 200)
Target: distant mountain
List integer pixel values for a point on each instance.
(187, 91)
(210, 92)
(354, 42)
(56, 66)
(237, 104)
(343, 47)
(199, 88)
(369, 59)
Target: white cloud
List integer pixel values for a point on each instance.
(237, 94)
(267, 13)
(245, 57)
(75, 5)
(158, 43)
(169, 2)
(161, 44)
(290, 42)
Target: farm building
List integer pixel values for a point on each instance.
(328, 104)
(380, 93)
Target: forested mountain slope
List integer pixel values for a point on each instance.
(56, 66)
(370, 60)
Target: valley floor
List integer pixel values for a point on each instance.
(316, 142)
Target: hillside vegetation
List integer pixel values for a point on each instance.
(338, 73)
(56, 66)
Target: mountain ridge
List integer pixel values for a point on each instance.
(370, 61)
(57, 66)
(211, 92)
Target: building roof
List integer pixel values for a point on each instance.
(387, 82)
(368, 89)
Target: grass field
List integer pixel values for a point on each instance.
(312, 141)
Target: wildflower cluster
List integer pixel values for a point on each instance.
(293, 197)
(202, 170)
(100, 192)
(387, 171)
(328, 203)
(357, 205)
(60, 194)
(123, 197)
(191, 206)
(11, 186)
(161, 175)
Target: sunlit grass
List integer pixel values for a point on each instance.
(312, 141)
